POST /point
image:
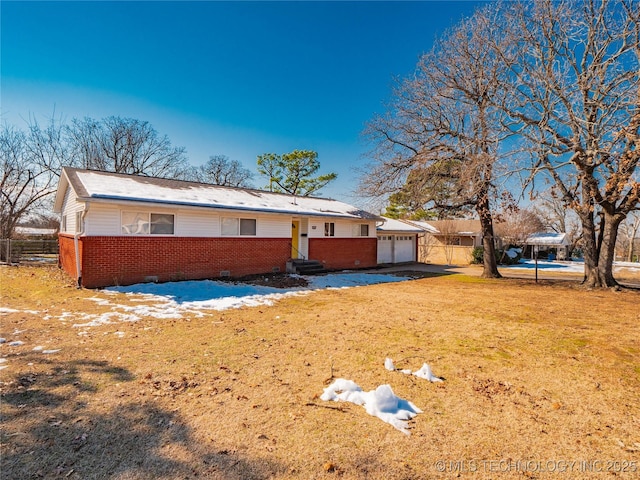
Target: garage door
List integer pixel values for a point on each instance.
(404, 248)
(385, 249)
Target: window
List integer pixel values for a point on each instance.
(63, 227)
(78, 222)
(247, 226)
(161, 224)
(238, 226)
(361, 230)
(139, 223)
(329, 229)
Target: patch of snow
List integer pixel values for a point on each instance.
(5, 310)
(17, 343)
(3, 340)
(173, 300)
(381, 402)
(426, 373)
(3, 360)
(2, 367)
(47, 352)
(627, 265)
(572, 267)
(513, 252)
(345, 280)
(388, 364)
(39, 348)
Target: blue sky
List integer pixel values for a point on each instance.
(231, 78)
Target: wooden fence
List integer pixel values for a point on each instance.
(20, 251)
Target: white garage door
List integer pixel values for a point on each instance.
(404, 248)
(385, 249)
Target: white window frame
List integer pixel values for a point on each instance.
(329, 229)
(359, 230)
(78, 222)
(233, 227)
(143, 223)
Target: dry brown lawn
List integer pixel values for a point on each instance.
(542, 381)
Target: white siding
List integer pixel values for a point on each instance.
(316, 228)
(274, 226)
(70, 207)
(102, 220)
(343, 228)
(105, 220)
(197, 224)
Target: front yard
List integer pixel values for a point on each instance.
(540, 381)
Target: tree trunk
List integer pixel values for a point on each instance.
(490, 265)
(589, 249)
(608, 249)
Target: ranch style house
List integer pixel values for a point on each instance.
(119, 229)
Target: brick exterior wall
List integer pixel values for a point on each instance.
(126, 260)
(67, 254)
(341, 253)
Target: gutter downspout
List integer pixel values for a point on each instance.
(76, 244)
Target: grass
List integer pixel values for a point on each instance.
(534, 373)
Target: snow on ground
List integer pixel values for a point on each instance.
(381, 402)
(572, 267)
(424, 372)
(567, 267)
(173, 300)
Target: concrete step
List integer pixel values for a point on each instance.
(305, 267)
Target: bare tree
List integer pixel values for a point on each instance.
(125, 145)
(449, 234)
(24, 185)
(575, 98)
(220, 170)
(48, 145)
(629, 230)
(559, 218)
(443, 131)
(516, 227)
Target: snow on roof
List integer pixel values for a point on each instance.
(544, 238)
(424, 226)
(94, 185)
(392, 225)
(456, 226)
(35, 231)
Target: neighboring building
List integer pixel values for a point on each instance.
(121, 229)
(397, 241)
(549, 245)
(448, 242)
(35, 232)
